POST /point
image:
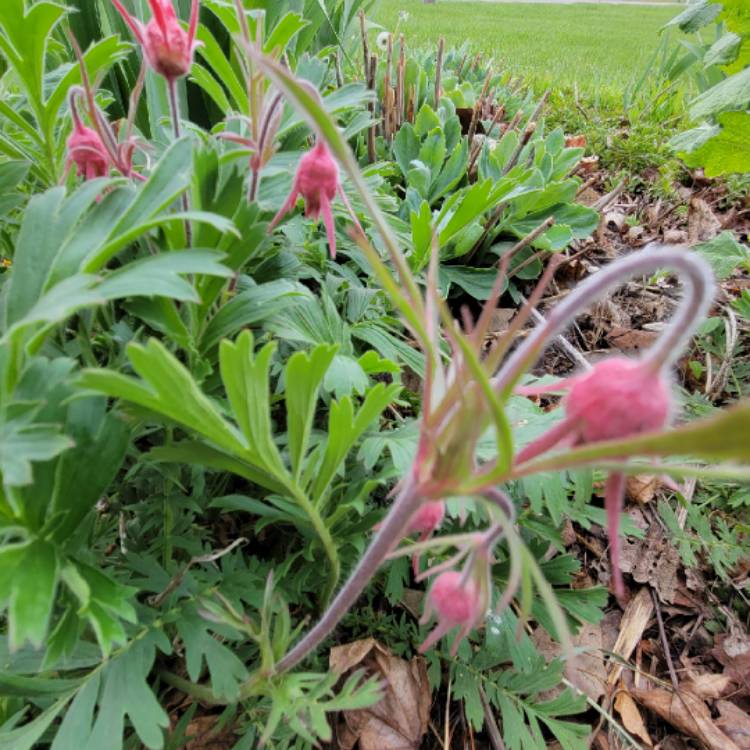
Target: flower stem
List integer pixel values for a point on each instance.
(174, 110)
(695, 275)
(386, 538)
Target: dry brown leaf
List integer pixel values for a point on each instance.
(634, 621)
(400, 719)
(202, 735)
(653, 560)
(733, 653)
(686, 712)
(587, 671)
(631, 717)
(735, 723)
(702, 222)
(708, 686)
(642, 488)
(629, 340)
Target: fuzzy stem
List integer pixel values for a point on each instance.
(174, 110)
(391, 530)
(696, 277)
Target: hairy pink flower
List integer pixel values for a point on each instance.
(317, 181)
(86, 150)
(617, 398)
(456, 603)
(168, 48)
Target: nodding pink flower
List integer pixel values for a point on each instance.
(86, 149)
(617, 398)
(426, 520)
(455, 603)
(317, 181)
(168, 48)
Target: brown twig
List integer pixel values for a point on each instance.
(665, 642)
(439, 70)
(365, 47)
(371, 74)
(527, 240)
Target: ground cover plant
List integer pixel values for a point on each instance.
(281, 461)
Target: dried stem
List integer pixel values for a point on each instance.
(439, 70)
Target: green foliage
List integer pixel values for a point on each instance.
(720, 144)
(201, 421)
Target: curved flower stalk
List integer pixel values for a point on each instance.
(317, 181)
(85, 149)
(97, 150)
(464, 398)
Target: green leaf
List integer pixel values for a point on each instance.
(32, 594)
(245, 378)
(200, 454)
(724, 50)
(345, 428)
(161, 275)
(167, 388)
(303, 377)
(22, 443)
(724, 254)
(26, 737)
(695, 16)
(720, 437)
(226, 670)
(727, 152)
(729, 94)
(170, 178)
(250, 307)
(477, 282)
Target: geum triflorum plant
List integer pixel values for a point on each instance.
(614, 413)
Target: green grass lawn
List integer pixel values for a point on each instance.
(599, 47)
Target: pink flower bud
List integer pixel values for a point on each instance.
(168, 48)
(619, 398)
(455, 604)
(86, 150)
(429, 516)
(317, 181)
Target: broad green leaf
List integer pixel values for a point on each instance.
(728, 151)
(22, 443)
(170, 178)
(729, 94)
(125, 692)
(303, 377)
(695, 16)
(160, 275)
(250, 307)
(32, 594)
(724, 254)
